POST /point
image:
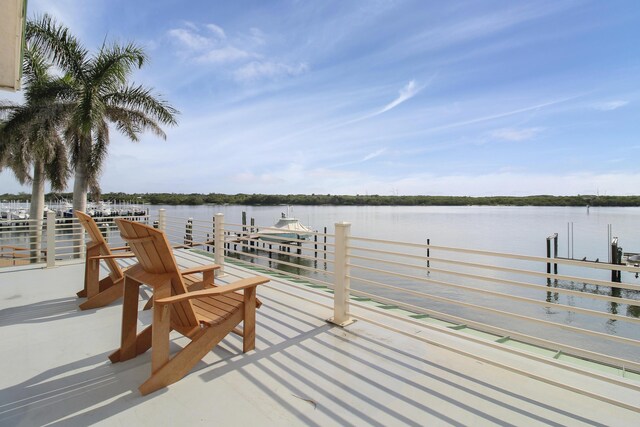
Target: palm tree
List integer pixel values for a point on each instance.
(102, 96)
(30, 136)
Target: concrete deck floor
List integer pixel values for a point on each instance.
(304, 371)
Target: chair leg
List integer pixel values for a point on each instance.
(91, 278)
(106, 297)
(160, 336)
(143, 343)
(91, 273)
(249, 320)
(87, 277)
(106, 282)
(129, 337)
(188, 357)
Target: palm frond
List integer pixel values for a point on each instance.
(141, 99)
(56, 42)
(35, 68)
(18, 159)
(113, 64)
(74, 142)
(132, 122)
(57, 170)
(98, 152)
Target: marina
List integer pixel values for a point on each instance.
(17, 213)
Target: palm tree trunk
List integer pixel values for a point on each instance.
(80, 187)
(36, 212)
(81, 182)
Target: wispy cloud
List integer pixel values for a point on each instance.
(256, 70)
(374, 154)
(501, 115)
(484, 24)
(207, 44)
(210, 44)
(512, 134)
(364, 159)
(189, 38)
(406, 93)
(218, 31)
(224, 54)
(610, 105)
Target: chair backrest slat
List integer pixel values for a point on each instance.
(98, 239)
(155, 255)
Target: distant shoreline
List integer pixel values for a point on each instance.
(348, 200)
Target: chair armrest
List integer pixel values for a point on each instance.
(15, 248)
(221, 290)
(199, 269)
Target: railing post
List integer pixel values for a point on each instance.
(51, 239)
(218, 239)
(342, 282)
(162, 219)
(616, 259)
(548, 264)
(188, 232)
(555, 252)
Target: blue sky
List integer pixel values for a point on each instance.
(377, 97)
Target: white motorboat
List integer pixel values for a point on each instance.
(287, 229)
(19, 215)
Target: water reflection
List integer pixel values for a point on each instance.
(552, 296)
(612, 307)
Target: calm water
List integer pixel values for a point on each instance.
(506, 229)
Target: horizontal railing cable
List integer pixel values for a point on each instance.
(555, 289)
(275, 251)
(565, 261)
(303, 267)
(506, 296)
(497, 331)
(314, 249)
(297, 276)
(430, 259)
(510, 368)
(418, 309)
(272, 228)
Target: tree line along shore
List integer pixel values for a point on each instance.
(347, 200)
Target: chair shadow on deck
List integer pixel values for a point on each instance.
(47, 311)
(400, 366)
(40, 312)
(62, 395)
(293, 341)
(295, 357)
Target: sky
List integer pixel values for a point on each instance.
(476, 98)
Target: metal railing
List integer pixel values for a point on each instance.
(51, 240)
(576, 311)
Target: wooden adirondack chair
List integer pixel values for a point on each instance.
(100, 292)
(205, 316)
